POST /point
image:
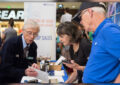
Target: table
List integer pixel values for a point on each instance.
(61, 79)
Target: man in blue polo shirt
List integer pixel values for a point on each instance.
(103, 65)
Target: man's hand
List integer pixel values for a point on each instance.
(34, 65)
(30, 72)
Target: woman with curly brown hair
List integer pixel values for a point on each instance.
(79, 48)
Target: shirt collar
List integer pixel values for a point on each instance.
(24, 43)
(101, 26)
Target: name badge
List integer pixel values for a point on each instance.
(17, 55)
(30, 58)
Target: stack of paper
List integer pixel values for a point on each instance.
(59, 78)
(28, 78)
(59, 73)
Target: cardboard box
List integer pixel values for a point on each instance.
(53, 81)
(54, 67)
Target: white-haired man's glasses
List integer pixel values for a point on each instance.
(31, 33)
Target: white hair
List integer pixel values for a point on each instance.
(31, 24)
(99, 9)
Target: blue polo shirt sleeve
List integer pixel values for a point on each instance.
(111, 35)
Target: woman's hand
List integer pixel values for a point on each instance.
(74, 65)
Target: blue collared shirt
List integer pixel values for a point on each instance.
(103, 65)
(24, 43)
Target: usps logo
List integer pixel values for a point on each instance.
(96, 43)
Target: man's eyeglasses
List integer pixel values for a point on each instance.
(31, 33)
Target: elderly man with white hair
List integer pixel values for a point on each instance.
(18, 53)
(103, 65)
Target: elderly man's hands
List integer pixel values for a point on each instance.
(34, 65)
(30, 70)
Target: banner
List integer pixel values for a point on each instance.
(45, 14)
(114, 12)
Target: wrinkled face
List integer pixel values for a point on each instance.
(30, 34)
(65, 39)
(85, 20)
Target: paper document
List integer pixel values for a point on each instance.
(59, 61)
(42, 75)
(59, 73)
(28, 78)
